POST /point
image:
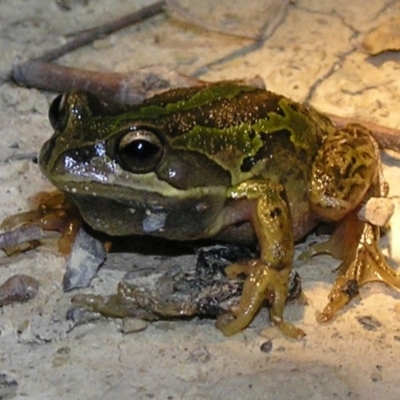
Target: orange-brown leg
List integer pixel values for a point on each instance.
(268, 277)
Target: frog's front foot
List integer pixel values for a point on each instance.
(362, 263)
(53, 213)
(262, 284)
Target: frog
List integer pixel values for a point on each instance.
(228, 162)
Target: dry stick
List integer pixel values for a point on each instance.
(93, 34)
(121, 88)
(387, 138)
(57, 78)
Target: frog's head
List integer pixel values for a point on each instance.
(120, 169)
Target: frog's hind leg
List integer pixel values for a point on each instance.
(347, 171)
(362, 262)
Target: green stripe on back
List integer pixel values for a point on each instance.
(204, 96)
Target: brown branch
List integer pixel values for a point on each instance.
(387, 138)
(122, 88)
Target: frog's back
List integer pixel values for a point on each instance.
(248, 131)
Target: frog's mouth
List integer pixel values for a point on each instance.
(180, 219)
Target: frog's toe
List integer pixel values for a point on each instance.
(365, 264)
(289, 329)
(53, 213)
(262, 284)
(233, 271)
(342, 292)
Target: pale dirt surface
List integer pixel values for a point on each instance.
(314, 55)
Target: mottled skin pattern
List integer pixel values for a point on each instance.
(218, 157)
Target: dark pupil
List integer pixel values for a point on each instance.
(141, 149)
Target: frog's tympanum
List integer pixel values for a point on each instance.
(231, 162)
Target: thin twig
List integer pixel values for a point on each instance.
(88, 36)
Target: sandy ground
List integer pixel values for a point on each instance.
(314, 55)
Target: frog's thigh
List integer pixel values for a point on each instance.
(268, 276)
(346, 171)
(346, 166)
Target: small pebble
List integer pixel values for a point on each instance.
(18, 288)
(377, 211)
(266, 347)
(131, 325)
(376, 376)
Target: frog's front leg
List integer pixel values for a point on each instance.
(346, 172)
(268, 277)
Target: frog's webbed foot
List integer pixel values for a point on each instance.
(356, 243)
(262, 284)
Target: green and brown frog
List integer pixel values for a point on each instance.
(231, 162)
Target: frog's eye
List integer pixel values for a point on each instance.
(57, 112)
(140, 151)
